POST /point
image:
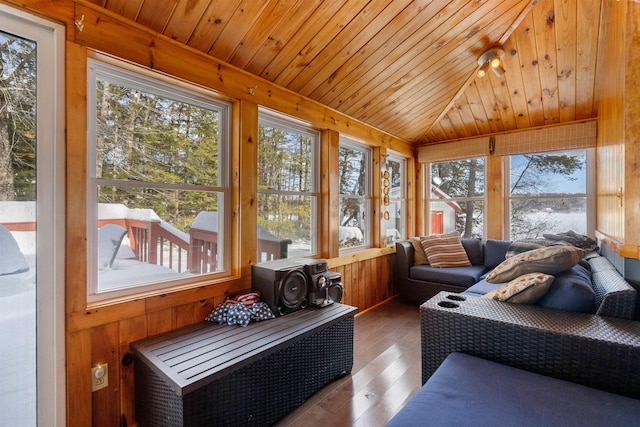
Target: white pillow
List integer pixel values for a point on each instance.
(12, 259)
(109, 238)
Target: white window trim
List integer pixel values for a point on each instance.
(482, 198)
(403, 191)
(139, 78)
(349, 142)
(271, 118)
(590, 189)
(50, 214)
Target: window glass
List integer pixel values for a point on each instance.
(287, 189)
(19, 198)
(394, 197)
(355, 194)
(548, 193)
(158, 182)
(32, 244)
(456, 199)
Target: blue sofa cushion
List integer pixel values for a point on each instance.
(481, 288)
(495, 252)
(571, 290)
(466, 390)
(473, 248)
(459, 276)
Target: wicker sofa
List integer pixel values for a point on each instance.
(588, 353)
(418, 283)
(594, 286)
(565, 344)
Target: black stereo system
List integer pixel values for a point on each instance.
(288, 285)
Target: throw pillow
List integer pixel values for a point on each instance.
(109, 239)
(571, 290)
(495, 252)
(261, 311)
(219, 314)
(525, 245)
(445, 250)
(473, 248)
(238, 314)
(12, 260)
(548, 260)
(419, 256)
(526, 289)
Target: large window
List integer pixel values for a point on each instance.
(394, 196)
(287, 189)
(355, 194)
(158, 182)
(548, 194)
(457, 197)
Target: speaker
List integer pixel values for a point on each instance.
(318, 283)
(283, 284)
(335, 289)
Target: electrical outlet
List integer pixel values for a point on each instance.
(99, 377)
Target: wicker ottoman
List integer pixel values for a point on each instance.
(209, 374)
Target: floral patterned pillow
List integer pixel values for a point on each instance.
(526, 289)
(548, 260)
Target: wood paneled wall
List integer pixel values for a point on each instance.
(618, 152)
(102, 333)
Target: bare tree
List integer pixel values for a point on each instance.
(17, 118)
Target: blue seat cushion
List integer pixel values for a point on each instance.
(466, 390)
(570, 290)
(458, 276)
(481, 288)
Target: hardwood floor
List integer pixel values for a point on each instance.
(386, 372)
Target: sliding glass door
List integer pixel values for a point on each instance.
(31, 221)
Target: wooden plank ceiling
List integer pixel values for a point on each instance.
(405, 67)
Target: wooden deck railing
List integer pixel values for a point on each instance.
(203, 257)
(154, 244)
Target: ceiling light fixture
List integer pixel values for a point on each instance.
(491, 59)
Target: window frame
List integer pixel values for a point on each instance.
(50, 313)
(401, 200)
(366, 198)
(430, 198)
(588, 195)
(135, 77)
(286, 123)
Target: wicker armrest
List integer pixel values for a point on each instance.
(596, 351)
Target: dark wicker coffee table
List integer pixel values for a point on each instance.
(210, 374)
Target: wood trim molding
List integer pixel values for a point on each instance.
(626, 251)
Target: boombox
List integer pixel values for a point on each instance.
(283, 284)
(325, 287)
(288, 285)
(319, 282)
(334, 293)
